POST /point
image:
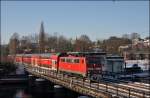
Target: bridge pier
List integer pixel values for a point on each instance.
(83, 97)
(43, 85)
(40, 87)
(72, 93)
(31, 81)
(35, 82)
(59, 91)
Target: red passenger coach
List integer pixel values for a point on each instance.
(19, 59)
(35, 60)
(55, 61)
(27, 59)
(45, 60)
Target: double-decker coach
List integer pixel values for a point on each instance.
(19, 58)
(45, 60)
(26, 59)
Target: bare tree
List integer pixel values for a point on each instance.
(52, 43)
(135, 35)
(25, 44)
(83, 43)
(126, 36)
(14, 43)
(112, 44)
(64, 44)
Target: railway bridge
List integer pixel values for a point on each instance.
(101, 89)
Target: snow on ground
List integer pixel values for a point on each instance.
(144, 64)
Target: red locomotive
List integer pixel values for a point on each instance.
(85, 64)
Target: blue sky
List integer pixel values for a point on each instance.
(97, 19)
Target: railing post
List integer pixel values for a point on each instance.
(117, 90)
(106, 87)
(83, 82)
(36, 69)
(43, 71)
(46, 72)
(71, 82)
(143, 95)
(62, 76)
(90, 84)
(98, 84)
(129, 92)
(56, 75)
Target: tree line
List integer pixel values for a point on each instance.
(50, 43)
(59, 43)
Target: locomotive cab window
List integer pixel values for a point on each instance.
(76, 61)
(82, 61)
(68, 60)
(63, 60)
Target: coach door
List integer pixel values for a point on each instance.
(54, 65)
(32, 61)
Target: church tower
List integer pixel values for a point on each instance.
(42, 39)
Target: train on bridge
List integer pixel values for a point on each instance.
(84, 64)
(64, 69)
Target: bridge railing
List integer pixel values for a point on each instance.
(107, 88)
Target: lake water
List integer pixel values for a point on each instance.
(24, 91)
(39, 90)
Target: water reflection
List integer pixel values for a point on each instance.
(83, 97)
(24, 91)
(21, 94)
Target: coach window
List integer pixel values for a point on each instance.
(76, 60)
(68, 60)
(72, 60)
(65, 59)
(61, 60)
